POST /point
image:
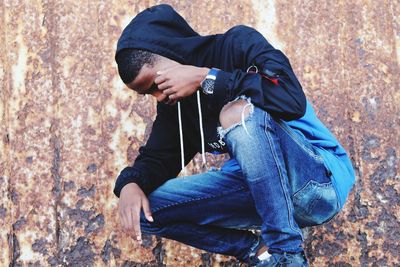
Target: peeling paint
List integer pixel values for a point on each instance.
(81, 254)
(107, 250)
(267, 22)
(19, 69)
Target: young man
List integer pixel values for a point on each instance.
(226, 93)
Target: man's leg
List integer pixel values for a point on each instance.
(204, 211)
(255, 146)
(277, 169)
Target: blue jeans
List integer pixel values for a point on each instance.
(283, 185)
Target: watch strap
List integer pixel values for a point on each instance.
(212, 74)
(209, 81)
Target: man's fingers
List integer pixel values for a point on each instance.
(129, 220)
(169, 102)
(123, 222)
(163, 86)
(160, 79)
(162, 98)
(169, 91)
(146, 205)
(136, 223)
(123, 219)
(160, 72)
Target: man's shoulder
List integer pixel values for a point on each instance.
(240, 30)
(243, 33)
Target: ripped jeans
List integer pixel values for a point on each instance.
(282, 185)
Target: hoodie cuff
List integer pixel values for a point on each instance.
(127, 175)
(221, 87)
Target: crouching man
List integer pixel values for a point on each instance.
(226, 93)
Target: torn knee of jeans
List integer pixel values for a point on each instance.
(243, 117)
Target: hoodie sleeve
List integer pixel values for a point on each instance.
(158, 160)
(280, 93)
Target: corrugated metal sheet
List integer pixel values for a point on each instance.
(68, 125)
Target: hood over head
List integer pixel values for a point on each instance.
(161, 30)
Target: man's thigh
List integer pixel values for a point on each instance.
(313, 194)
(216, 198)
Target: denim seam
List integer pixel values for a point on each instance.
(201, 198)
(321, 185)
(298, 141)
(311, 181)
(272, 145)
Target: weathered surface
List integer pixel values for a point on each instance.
(6, 205)
(349, 66)
(28, 100)
(68, 125)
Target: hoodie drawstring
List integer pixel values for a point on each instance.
(181, 139)
(203, 154)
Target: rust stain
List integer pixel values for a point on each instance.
(349, 66)
(7, 243)
(69, 125)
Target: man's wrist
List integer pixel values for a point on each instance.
(131, 185)
(202, 74)
(208, 82)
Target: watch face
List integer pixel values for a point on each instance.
(208, 86)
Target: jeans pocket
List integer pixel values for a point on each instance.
(315, 203)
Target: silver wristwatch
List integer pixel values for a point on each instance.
(208, 83)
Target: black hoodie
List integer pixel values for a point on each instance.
(161, 30)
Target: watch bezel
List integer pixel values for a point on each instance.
(209, 81)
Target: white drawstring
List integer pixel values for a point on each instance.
(203, 152)
(181, 139)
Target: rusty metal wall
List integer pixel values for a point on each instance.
(68, 125)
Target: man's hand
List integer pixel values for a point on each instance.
(131, 201)
(180, 81)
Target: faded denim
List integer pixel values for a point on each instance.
(283, 185)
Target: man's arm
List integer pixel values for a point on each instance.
(283, 98)
(279, 93)
(180, 81)
(159, 159)
(131, 201)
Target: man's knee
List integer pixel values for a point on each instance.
(232, 113)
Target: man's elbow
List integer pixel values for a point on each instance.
(302, 106)
(298, 109)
